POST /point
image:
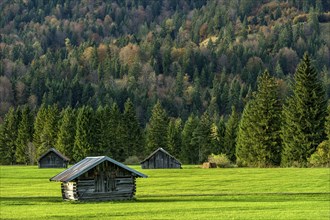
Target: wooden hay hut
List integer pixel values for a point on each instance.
(53, 159)
(98, 178)
(160, 159)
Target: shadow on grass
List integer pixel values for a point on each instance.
(223, 197)
(238, 197)
(31, 199)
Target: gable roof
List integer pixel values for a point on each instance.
(162, 150)
(56, 152)
(86, 164)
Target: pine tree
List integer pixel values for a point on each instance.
(105, 139)
(84, 138)
(66, 132)
(101, 131)
(229, 142)
(49, 132)
(117, 140)
(189, 150)
(133, 135)
(321, 157)
(303, 116)
(179, 83)
(174, 137)
(157, 128)
(218, 134)
(39, 122)
(327, 124)
(258, 141)
(25, 153)
(202, 138)
(8, 136)
(215, 139)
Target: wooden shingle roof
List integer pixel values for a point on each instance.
(162, 150)
(88, 163)
(56, 152)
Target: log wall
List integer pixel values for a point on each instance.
(104, 182)
(160, 160)
(52, 160)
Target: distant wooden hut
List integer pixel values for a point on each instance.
(53, 159)
(98, 178)
(160, 159)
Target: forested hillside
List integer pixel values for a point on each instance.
(93, 77)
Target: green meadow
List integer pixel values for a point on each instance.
(189, 193)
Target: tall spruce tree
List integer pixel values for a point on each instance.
(189, 151)
(8, 136)
(133, 135)
(327, 124)
(202, 138)
(174, 137)
(84, 138)
(105, 140)
(157, 128)
(38, 125)
(217, 135)
(117, 144)
(66, 132)
(25, 152)
(102, 116)
(229, 142)
(303, 116)
(49, 131)
(258, 141)
(321, 157)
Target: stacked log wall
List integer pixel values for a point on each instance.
(118, 184)
(160, 160)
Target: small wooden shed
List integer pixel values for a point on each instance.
(160, 159)
(53, 159)
(98, 178)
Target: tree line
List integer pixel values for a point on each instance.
(273, 130)
(190, 55)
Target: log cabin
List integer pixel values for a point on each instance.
(53, 159)
(160, 159)
(98, 179)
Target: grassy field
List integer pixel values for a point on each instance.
(190, 193)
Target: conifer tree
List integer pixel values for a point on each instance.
(38, 126)
(321, 157)
(327, 124)
(157, 128)
(258, 142)
(84, 138)
(66, 132)
(8, 136)
(189, 151)
(49, 132)
(117, 141)
(101, 131)
(229, 142)
(174, 137)
(105, 139)
(202, 138)
(133, 135)
(303, 116)
(179, 87)
(218, 144)
(24, 154)
(215, 139)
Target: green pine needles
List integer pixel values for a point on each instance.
(303, 116)
(258, 142)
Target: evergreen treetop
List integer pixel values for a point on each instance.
(303, 116)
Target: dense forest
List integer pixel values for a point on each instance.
(124, 77)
